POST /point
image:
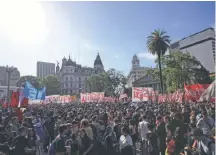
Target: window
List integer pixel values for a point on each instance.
(66, 84)
(66, 78)
(79, 78)
(71, 78)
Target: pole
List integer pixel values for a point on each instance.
(8, 87)
(9, 70)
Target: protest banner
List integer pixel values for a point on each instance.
(91, 97)
(122, 96)
(141, 93)
(73, 98)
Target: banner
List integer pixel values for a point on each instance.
(91, 97)
(73, 98)
(41, 94)
(32, 93)
(64, 99)
(123, 96)
(141, 93)
(194, 92)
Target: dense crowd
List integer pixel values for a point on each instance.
(108, 129)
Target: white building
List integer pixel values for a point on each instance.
(200, 45)
(136, 71)
(14, 77)
(45, 69)
(72, 76)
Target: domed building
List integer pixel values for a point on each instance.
(72, 76)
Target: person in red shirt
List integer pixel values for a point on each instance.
(19, 114)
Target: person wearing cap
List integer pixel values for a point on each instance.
(204, 145)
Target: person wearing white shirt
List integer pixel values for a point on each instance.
(125, 142)
(143, 130)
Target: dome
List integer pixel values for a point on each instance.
(70, 62)
(98, 61)
(64, 59)
(135, 56)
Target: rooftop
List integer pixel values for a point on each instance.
(210, 28)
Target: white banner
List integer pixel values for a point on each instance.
(91, 97)
(141, 93)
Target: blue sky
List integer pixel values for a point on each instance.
(117, 30)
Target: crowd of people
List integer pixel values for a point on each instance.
(109, 129)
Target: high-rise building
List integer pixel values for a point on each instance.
(45, 69)
(200, 45)
(14, 77)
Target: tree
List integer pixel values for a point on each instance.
(158, 43)
(36, 82)
(180, 68)
(52, 85)
(111, 83)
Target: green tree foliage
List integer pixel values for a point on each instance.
(158, 43)
(36, 82)
(111, 83)
(52, 85)
(180, 68)
(212, 78)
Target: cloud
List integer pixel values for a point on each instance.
(147, 55)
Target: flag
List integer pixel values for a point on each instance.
(41, 94)
(21, 96)
(30, 92)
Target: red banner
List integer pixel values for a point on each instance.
(91, 97)
(193, 92)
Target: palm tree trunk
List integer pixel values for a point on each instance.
(161, 79)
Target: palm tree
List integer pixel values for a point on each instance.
(158, 43)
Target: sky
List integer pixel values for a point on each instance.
(48, 31)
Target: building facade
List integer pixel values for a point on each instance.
(136, 71)
(45, 69)
(14, 77)
(200, 45)
(147, 81)
(72, 76)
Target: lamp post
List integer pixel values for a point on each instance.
(9, 70)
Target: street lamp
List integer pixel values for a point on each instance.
(9, 70)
